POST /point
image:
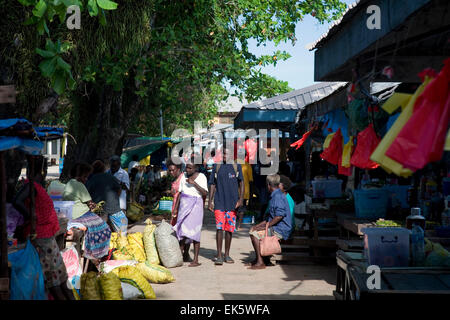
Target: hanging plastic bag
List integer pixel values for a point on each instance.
(73, 267)
(119, 222)
(27, 278)
(333, 153)
(149, 243)
(300, 142)
(347, 153)
(366, 143)
(422, 138)
(328, 139)
(379, 155)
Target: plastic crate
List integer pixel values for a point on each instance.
(371, 204)
(400, 193)
(327, 188)
(64, 209)
(387, 247)
(165, 205)
(247, 219)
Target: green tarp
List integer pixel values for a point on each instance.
(143, 150)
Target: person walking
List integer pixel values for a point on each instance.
(189, 210)
(278, 220)
(123, 178)
(248, 179)
(227, 190)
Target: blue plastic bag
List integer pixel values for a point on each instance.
(120, 222)
(27, 278)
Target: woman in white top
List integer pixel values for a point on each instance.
(189, 209)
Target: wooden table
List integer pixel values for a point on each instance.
(352, 279)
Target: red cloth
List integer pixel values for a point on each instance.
(300, 142)
(333, 154)
(366, 143)
(250, 150)
(422, 138)
(47, 224)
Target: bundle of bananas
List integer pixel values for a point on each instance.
(99, 207)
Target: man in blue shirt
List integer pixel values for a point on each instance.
(227, 189)
(278, 218)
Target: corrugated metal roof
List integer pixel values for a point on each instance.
(336, 26)
(297, 99)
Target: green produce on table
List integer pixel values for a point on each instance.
(387, 223)
(167, 198)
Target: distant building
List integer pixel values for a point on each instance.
(228, 110)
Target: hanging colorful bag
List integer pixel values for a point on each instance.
(366, 143)
(333, 153)
(422, 138)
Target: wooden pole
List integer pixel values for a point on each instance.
(4, 236)
(32, 196)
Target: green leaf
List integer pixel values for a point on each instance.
(31, 20)
(62, 11)
(107, 5)
(65, 46)
(50, 46)
(59, 83)
(45, 53)
(63, 65)
(92, 8)
(40, 27)
(48, 67)
(102, 17)
(40, 8)
(27, 2)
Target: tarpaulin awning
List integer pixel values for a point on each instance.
(25, 144)
(142, 150)
(49, 133)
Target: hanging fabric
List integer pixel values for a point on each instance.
(328, 139)
(297, 144)
(366, 143)
(422, 138)
(379, 155)
(333, 152)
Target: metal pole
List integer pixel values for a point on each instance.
(4, 236)
(161, 121)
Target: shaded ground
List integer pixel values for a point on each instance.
(235, 281)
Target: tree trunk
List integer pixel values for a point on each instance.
(99, 124)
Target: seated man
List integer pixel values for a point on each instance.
(278, 218)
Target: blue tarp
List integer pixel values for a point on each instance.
(336, 119)
(29, 146)
(49, 131)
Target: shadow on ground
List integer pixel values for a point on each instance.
(239, 296)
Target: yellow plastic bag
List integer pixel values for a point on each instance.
(150, 243)
(111, 288)
(379, 155)
(136, 246)
(122, 255)
(134, 277)
(90, 286)
(155, 273)
(328, 139)
(347, 153)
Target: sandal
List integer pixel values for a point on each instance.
(229, 260)
(218, 262)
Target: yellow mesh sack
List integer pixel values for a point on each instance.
(155, 273)
(112, 242)
(90, 286)
(149, 243)
(136, 246)
(133, 276)
(111, 287)
(122, 241)
(122, 255)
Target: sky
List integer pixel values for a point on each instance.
(298, 70)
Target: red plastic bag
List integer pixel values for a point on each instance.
(333, 154)
(422, 138)
(367, 141)
(300, 142)
(250, 151)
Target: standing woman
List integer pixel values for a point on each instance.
(98, 233)
(189, 209)
(47, 225)
(175, 172)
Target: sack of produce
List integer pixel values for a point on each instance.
(168, 246)
(110, 265)
(111, 287)
(73, 267)
(133, 276)
(135, 212)
(155, 273)
(113, 240)
(136, 246)
(149, 243)
(130, 292)
(122, 255)
(90, 286)
(122, 241)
